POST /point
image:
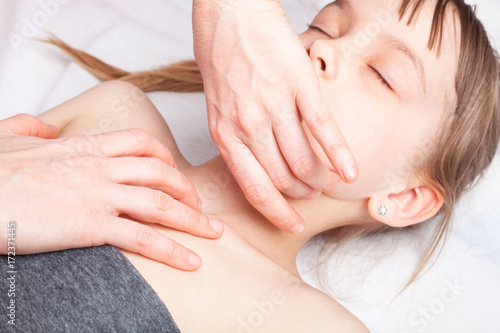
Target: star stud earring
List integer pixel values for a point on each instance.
(382, 210)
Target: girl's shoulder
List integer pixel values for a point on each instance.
(310, 310)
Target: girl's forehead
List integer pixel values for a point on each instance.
(415, 28)
(373, 26)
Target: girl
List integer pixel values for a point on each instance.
(429, 77)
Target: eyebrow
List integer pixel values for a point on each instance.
(393, 42)
(400, 46)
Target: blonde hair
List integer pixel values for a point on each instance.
(183, 76)
(463, 151)
(467, 145)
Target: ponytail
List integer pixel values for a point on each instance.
(183, 76)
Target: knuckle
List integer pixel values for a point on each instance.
(72, 139)
(79, 144)
(303, 167)
(336, 148)
(215, 133)
(284, 119)
(248, 129)
(222, 138)
(319, 121)
(256, 194)
(89, 233)
(283, 183)
(187, 187)
(222, 135)
(172, 250)
(247, 125)
(144, 235)
(92, 162)
(57, 146)
(156, 165)
(162, 202)
(140, 137)
(282, 222)
(196, 221)
(189, 220)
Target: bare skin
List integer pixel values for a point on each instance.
(249, 51)
(253, 262)
(236, 273)
(94, 178)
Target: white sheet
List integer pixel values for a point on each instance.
(458, 294)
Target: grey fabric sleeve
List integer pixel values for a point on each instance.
(81, 290)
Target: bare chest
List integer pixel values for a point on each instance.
(235, 290)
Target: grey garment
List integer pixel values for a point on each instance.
(82, 290)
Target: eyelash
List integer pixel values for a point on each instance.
(376, 72)
(380, 77)
(313, 27)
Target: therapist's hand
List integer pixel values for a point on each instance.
(260, 84)
(73, 192)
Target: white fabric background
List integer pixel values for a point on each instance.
(458, 294)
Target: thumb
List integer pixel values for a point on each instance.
(28, 125)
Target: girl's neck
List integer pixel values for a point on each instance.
(223, 199)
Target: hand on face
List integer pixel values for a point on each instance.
(259, 86)
(389, 92)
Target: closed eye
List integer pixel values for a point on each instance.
(374, 70)
(313, 27)
(380, 77)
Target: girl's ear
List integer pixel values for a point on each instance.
(409, 207)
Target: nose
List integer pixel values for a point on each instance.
(324, 57)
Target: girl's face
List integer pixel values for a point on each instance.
(389, 93)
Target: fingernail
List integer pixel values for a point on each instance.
(348, 172)
(199, 203)
(194, 260)
(297, 229)
(216, 225)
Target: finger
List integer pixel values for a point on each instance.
(139, 238)
(154, 206)
(265, 149)
(156, 174)
(258, 188)
(324, 128)
(132, 142)
(300, 156)
(28, 125)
